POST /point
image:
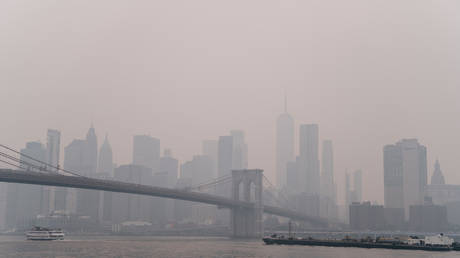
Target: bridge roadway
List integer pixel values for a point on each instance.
(36, 178)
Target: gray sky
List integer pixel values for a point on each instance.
(369, 72)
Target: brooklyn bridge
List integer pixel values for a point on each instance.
(246, 210)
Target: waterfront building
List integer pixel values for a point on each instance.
(405, 174)
(428, 217)
(445, 195)
(364, 216)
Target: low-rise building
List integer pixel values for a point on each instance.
(365, 216)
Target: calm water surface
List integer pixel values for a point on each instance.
(108, 246)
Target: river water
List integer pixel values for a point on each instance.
(108, 246)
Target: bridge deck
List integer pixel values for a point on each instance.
(24, 177)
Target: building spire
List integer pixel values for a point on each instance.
(437, 178)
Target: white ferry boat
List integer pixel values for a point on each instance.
(39, 233)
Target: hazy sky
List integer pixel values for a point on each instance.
(368, 72)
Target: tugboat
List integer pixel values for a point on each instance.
(40, 233)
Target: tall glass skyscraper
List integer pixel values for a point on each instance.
(405, 174)
(284, 147)
(309, 158)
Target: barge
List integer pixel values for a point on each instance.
(431, 243)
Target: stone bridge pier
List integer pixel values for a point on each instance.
(247, 186)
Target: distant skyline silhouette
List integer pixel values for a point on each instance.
(368, 74)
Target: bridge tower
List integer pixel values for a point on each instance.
(247, 222)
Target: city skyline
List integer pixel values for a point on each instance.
(128, 126)
(209, 75)
(340, 175)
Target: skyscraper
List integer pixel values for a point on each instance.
(35, 150)
(210, 148)
(405, 174)
(354, 194)
(292, 181)
(53, 145)
(146, 151)
(358, 185)
(105, 170)
(81, 156)
(168, 173)
(88, 201)
(170, 167)
(309, 160)
(225, 155)
(105, 158)
(24, 202)
(199, 169)
(131, 207)
(74, 156)
(91, 152)
(224, 166)
(328, 186)
(74, 160)
(240, 150)
(348, 192)
(284, 146)
(437, 178)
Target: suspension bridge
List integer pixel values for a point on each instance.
(246, 210)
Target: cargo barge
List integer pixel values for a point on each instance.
(432, 243)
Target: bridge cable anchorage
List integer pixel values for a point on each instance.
(58, 168)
